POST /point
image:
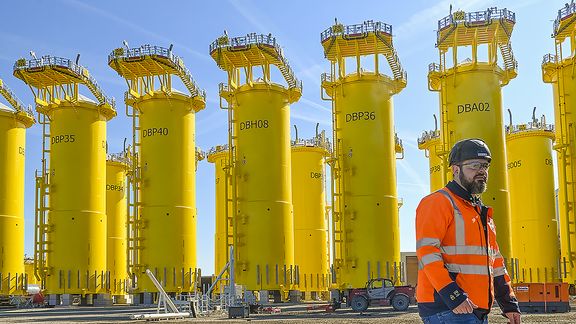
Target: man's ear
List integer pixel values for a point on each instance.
(455, 169)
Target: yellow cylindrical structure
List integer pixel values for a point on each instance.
(534, 228)
(431, 143)
(224, 225)
(311, 244)
(29, 269)
(116, 212)
(264, 228)
(370, 201)
(365, 204)
(558, 70)
(167, 160)
(475, 111)
(12, 155)
(559, 74)
(76, 255)
(470, 92)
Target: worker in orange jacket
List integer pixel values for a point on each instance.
(460, 268)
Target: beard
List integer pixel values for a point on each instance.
(474, 187)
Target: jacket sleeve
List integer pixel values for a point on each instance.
(433, 216)
(502, 287)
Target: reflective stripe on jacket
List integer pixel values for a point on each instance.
(457, 255)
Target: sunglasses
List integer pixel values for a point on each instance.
(476, 166)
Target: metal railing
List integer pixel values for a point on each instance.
(242, 42)
(218, 149)
(397, 140)
(531, 126)
(362, 30)
(509, 63)
(476, 17)
(223, 87)
(200, 154)
(428, 135)
(397, 70)
(565, 12)
(356, 29)
(142, 51)
(404, 75)
(80, 72)
(326, 77)
(13, 100)
(434, 67)
(149, 50)
(550, 58)
(317, 141)
(118, 157)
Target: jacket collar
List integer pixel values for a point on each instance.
(456, 189)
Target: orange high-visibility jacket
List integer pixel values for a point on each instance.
(458, 255)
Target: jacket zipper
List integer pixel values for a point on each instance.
(485, 227)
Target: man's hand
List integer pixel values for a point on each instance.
(513, 318)
(467, 307)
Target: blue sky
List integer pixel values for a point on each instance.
(93, 28)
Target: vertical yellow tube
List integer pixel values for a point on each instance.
(12, 155)
(369, 176)
(531, 175)
(224, 224)
(469, 109)
(472, 111)
(77, 216)
(29, 268)
(167, 192)
(558, 70)
(311, 244)
(264, 192)
(431, 143)
(260, 161)
(364, 167)
(162, 216)
(70, 225)
(116, 211)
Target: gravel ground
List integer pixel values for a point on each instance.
(288, 314)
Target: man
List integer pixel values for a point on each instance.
(461, 270)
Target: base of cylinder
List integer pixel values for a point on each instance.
(294, 296)
(98, 300)
(122, 299)
(144, 299)
(271, 296)
(315, 295)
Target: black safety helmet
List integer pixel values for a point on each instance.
(469, 149)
